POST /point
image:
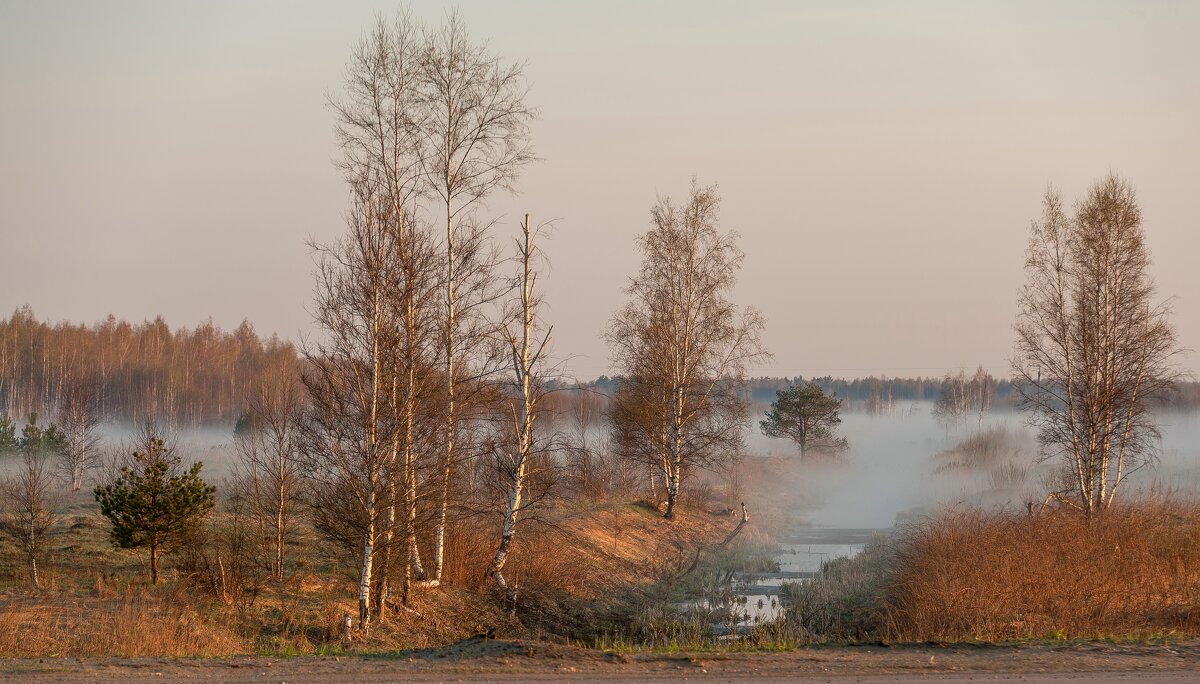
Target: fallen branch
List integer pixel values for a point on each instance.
(1054, 496)
(700, 549)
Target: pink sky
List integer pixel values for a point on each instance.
(881, 160)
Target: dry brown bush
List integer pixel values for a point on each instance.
(981, 450)
(967, 574)
(1008, 476)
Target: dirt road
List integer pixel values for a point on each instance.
(485, 660)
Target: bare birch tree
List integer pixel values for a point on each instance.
(425, 114)
(414, 392)
(474, 135)
(520, 335)
(961, 395)
(347, 440)
(29, 513)
(637, 428)
(585, 411)
(269, 464)
(1093, 347)
(79, 416)
(379, 126)
(680, 342)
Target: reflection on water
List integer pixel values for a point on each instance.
(801, 555)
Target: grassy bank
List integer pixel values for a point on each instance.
(579, 570)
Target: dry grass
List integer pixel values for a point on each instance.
(587, 569)
(1008, 476)
(962, 575)
(966, 574)
(567, 568)
(133, 625)
(984, 450)
(587, 552)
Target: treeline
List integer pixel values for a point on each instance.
(138, 371)
(878, 394)
(198, 376)
(871, 394)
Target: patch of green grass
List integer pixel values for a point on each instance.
(681, 637)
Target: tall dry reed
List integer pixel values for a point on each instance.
(966, 574)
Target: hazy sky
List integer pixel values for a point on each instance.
(882, 161)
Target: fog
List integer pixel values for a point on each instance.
(892, 469)
(211, 445)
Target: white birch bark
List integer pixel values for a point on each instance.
(524, 356)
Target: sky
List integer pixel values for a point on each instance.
(881, 161)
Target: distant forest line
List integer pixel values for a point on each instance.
(872, 394)
(138, 371)
(189, 377)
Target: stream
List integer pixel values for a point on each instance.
(801, 555)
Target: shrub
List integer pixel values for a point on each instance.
(982, 450)
(847, 599)
(967, 574)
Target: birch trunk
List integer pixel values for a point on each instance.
(439, 551)
(364, 582)
(33, 545)
(523, 361)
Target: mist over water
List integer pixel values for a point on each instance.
(891, 470)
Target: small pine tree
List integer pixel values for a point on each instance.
(35, 439)
(8, 435)
(151, 501)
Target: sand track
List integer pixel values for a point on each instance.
(501, 660)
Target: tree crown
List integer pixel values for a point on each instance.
(152, 500)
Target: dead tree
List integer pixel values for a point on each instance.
(527, 347)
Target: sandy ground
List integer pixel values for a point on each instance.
(487, 660)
